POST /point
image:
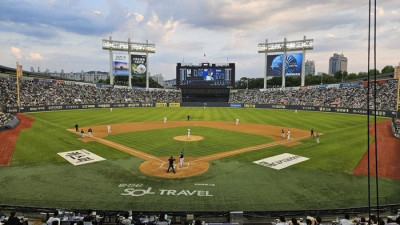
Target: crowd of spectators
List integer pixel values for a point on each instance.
(346, 97)
(34, 92)
(347, 219)
(48, 92)
(5, 118)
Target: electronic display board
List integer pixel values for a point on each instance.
(292, 65)
(205, 75)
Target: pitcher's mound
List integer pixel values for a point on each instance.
(185, 138)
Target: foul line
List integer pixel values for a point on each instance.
(131, 150)
(246, 149)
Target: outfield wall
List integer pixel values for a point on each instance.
(202, 104)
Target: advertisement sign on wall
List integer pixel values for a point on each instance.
(139, 64)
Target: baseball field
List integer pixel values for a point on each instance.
(126, 169)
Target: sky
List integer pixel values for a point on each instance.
(67, 34)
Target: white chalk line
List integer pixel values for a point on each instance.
(137, 153)
(247, 149)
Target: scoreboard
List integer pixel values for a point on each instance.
(205, 75)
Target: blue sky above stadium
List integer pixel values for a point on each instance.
(67, 34)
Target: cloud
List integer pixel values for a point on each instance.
(34, 56)
(187, 29)
(96, 12)
(63, 15)
(330, 35)
(380, 11)
(139, 17)
(16, 52)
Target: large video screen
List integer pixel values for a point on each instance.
(293, 64)
(205, 75)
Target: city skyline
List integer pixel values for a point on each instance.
(67, 35)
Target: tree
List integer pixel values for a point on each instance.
(388, 69)
(242, 83)
(362, 74)
(340, 75)
(351, 76)
(372, 72)
(140, 81)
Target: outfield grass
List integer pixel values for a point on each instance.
(39, 177)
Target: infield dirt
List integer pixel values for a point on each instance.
(157, 166)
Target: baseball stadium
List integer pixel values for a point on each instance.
(236, 158)
(204, 150)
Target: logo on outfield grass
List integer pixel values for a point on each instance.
(80, 157)
(138, 190)
(281, 161)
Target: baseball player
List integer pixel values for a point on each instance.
(108, 128)
(171, 164)
(317, 136)
(237, 121)
(82, 133)
(188, 134)
(90, 132)
(288, 134)
(181, 159)
(283, 133)
(76, 127)
(165, 119)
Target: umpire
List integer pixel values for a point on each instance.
(171, 164)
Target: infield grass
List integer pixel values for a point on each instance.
(160, 142)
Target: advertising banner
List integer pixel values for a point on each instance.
(120, 65)
(293, 64)
(281, 161)
(139, 64)
(80, 157)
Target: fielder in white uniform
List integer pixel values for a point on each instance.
(181, 159)
(109, 129)
(188, 134)
(288, 134)
(237, 121)
(165, 119)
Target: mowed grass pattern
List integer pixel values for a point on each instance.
(39, 177)
(161, 143)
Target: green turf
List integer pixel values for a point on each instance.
(161, 143)
(39, 177)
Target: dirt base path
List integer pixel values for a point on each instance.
(157, 166)
(9, 139)
(388, 154)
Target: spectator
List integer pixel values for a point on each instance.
(13, 220)
(54, 218)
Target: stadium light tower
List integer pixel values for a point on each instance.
(284, 47)
(398, 99)
(109, 44)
